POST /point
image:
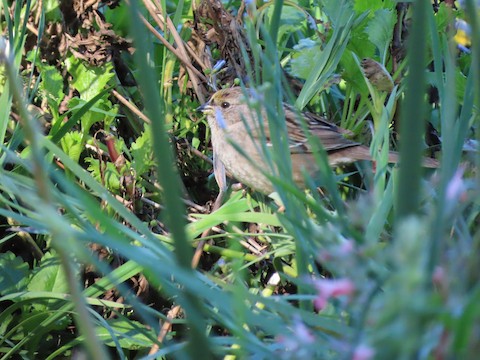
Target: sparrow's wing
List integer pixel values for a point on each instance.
(330, 136)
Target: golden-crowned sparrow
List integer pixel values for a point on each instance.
(232, 121)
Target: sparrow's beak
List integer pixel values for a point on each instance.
(206, 108)
(203, 107)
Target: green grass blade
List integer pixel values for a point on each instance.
(413, 117)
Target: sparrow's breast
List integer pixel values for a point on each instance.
(241, 157)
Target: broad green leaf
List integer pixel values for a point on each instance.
(306, 53)
(291, 20)
(103, 111)
(443, 17)
(40, 313)
(60, 128)
(338, 11)
(372, 5)
(5, 323)
(130, 334)
(352, 72)
(52, 11)
(50, 276)
(13, 273)
(72, 144)
(88, 80)
(109, 175)
(52, 85)
(380, 30)
(327, 61)
(360, 43)
(142, 153)
(460, 83)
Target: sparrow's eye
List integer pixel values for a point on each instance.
(225, 105)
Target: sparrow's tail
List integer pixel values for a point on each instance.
(360, 152)
(394, 157)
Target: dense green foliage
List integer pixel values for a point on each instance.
(106, 184)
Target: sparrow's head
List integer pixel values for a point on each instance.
(225, 106)
(224, 99)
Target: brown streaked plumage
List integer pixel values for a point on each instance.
(232, 121)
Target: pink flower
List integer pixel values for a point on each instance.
(363, 352)
(456, 187)
(301, 336)
(346, 247)
(439, 276)
(341, 251)
(328, 288)
(302, 333)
